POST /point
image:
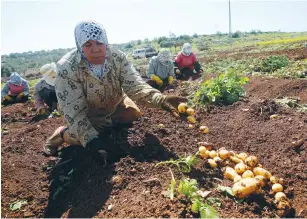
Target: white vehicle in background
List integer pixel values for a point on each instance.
(145, 52)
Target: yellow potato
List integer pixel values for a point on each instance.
(251, 161)
(237, 178)
(202, 149)
(261, 179)
(281, 181)
(182, 107)
(161, 125)
(213, 154)
(245, 187)
(240, 168)
(207, 153)
(275, 116)
(218, 160)
(262, 172)
(191, 126)
(242, 156)
(224, 154)
(274, 180)
(248, 174)
(190, 112)
(277, 187)
(191, 119)
(235, 159)
(212, 163)
(283, 204)
(280, 196)
(230, 173)
(204, 129)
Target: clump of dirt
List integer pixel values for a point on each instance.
(265, 108)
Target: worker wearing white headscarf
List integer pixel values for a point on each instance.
(161, 69)
(44, 89)
(187, 62)
(92, 85)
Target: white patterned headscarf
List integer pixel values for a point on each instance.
(164, 57)
(186, 49)
(90, 30)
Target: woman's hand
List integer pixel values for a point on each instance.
(171, 103)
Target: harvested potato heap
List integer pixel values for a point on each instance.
(183, 108)
(247, 174)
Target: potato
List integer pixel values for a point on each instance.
(281, 181)
(202, 149)
(190, 112)
(212, 163)
(251, 161)
(247, 174)
(218, 160)
(235, 159)
(280, 196)
(240, 168)
(245, 187)
(161, 126)
(274, 180)
(182, 107)
(204, 129)
(277, 187)
(191, 126)
(283, 204)
(224, 154)
(208, 145)
(230, 173)
(191, 119)
(298, 143)
(261, 179)
(262, 172)
(237, 178)
(242, 156)
(213, 154)
(275, 116)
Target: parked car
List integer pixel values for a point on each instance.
(145, 52)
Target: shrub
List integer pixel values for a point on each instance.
(224, 89)
(272, 63)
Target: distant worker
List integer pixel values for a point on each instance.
(187, 62)
(160, 70)
(44, 90)
(16, 90)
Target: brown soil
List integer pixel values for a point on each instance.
(293, 54)
(74, 185)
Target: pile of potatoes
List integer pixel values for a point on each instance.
(245, 171)
(183, 108)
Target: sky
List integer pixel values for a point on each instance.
(28, 25)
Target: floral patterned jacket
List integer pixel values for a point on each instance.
(88, 102)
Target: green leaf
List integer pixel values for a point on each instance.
(172, 187)
(214, 201)
(17, 205)
(207, 211)
(225, 190)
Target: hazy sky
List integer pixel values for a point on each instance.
(49, 24)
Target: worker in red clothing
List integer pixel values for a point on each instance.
(187, 63)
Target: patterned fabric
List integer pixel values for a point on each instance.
(162, 71)
(164, 57)
(86, 31)
(186, 49)
(88, 102)
(40, 85)
(17, 81)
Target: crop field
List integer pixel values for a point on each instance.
(241, 151)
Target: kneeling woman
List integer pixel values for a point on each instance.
(44, 90)
(94, 84)
(16, 90)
